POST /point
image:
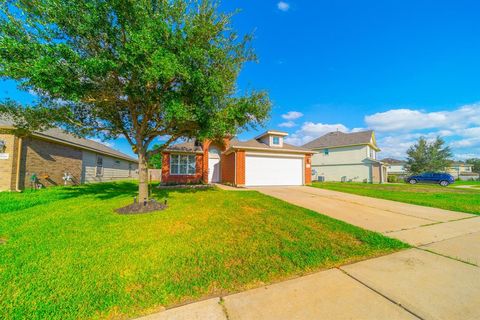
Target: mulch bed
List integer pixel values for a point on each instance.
(139, 208)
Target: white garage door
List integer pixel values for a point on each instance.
(273, 171)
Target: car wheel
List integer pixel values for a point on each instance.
(444, 183)
(412, 181)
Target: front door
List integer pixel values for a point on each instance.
(213, 170)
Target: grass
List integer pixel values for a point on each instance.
(67, 255)
(450, 198)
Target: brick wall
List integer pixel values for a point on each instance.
(49, 161)
(228, 168)
(196, 178)
(308, 169)
(240, 154)
(8, 166)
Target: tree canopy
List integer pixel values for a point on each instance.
(426, 156)
(128, 68)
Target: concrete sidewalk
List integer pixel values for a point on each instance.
(412, 284)
(427, 282)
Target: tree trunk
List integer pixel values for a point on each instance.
(142, 177)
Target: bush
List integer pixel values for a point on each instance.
(392, 179)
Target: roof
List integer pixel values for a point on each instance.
(187, 146)
(61, 136)
(393, 161)
(255, 144)
(341, 139)
(272, 132)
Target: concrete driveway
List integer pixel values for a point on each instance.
(439, 279)
(416, 225)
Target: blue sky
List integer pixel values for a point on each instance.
(402, 68)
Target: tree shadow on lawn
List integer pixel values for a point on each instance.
(102, 191)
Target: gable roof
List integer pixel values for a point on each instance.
(255, 144)
(393, 161)
(58, 135)
(342, 139)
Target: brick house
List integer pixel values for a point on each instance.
(264, 160)
(54, 154)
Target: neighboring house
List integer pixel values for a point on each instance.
(462, 171)
(54, 154)
(395, 167)
(347, 157)
(263, 161)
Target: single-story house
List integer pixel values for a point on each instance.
(347, 157)
(462, 171)
(54, 157)
(263, 161)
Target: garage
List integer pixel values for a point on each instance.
(275, 170)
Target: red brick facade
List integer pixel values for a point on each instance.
(308, 169)
(182, 179)
(232, 167)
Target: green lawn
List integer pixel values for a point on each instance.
(67, 255)
(450, 198)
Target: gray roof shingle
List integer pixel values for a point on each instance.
(339, 139)
(187, 146)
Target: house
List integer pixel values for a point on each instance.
(263, 161)
(347, 157)
(395, 167)
(462, 171)
(54, 157)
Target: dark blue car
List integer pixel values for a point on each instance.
(443, 179)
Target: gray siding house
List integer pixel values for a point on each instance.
(347, 157)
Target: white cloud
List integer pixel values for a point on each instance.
(288, 124)
(398, 129)
(408, 119)
(292, 115)
(283, 6)
(310, 131)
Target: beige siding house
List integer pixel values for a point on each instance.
(347, 157)
(54, 157)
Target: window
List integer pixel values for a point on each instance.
(326, 152)
(276, 140)
(182, 164)
(99, 168)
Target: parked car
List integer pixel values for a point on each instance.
(444, 179)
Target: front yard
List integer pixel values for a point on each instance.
(67, 255)
(450, 198)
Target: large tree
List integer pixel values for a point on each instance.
(137, 69)
(425, 156)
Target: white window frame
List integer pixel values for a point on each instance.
(99, 167)
(190, 164)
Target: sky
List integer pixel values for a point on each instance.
(402, 68)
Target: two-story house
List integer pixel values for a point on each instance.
(347, 157)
